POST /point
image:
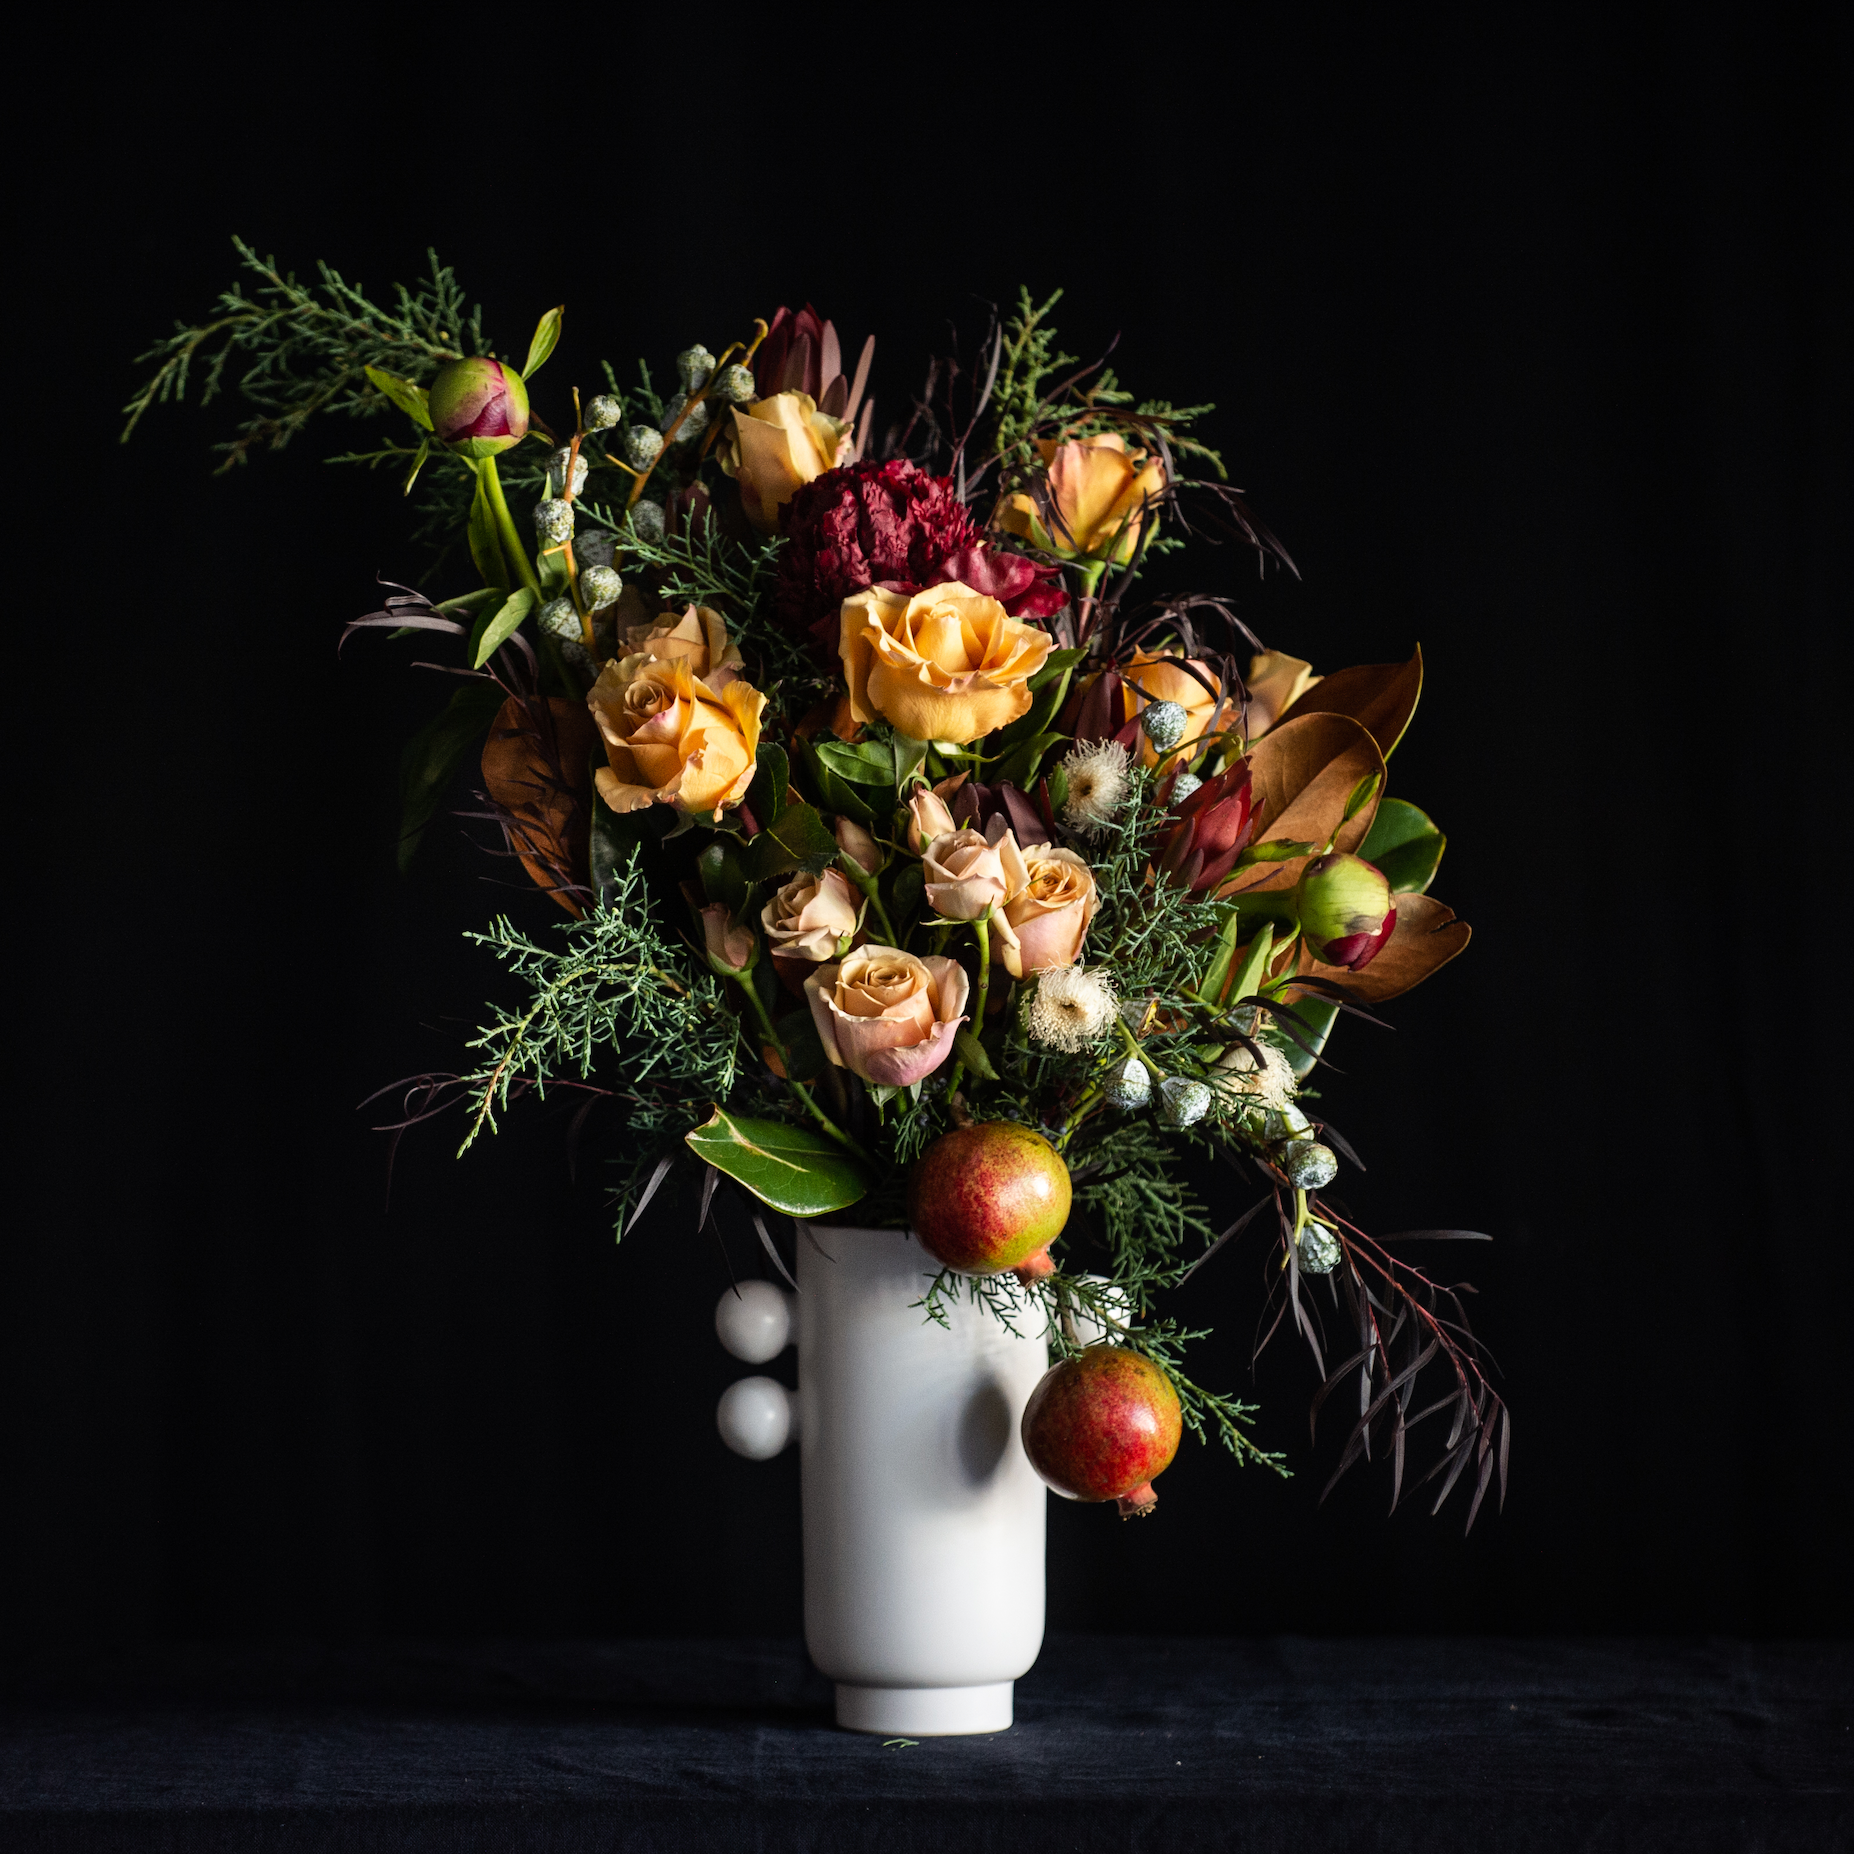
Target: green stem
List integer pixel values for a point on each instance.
(981, 932)
(1133, 1049)
(867, 884)
(785, 1062)
(505, 526)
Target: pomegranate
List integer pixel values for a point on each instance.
(1100, 1426)
(989, 1197)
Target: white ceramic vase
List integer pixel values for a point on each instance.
(923, 1519)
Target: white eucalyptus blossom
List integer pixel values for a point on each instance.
(599, 586)
(643, 445)
(1164, 724)
(1072, 1007)
(1182, 1101)
(557, 469)
(1317, 1248)
(648, 521)
(603, 412)
(1097, 776)
(1128, 1085)
(553, 522)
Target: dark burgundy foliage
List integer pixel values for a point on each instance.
(975, 806)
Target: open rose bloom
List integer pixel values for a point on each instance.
(887, 1016)
(671, 739)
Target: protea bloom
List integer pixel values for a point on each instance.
(1214, 827)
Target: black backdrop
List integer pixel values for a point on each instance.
(1524, 348)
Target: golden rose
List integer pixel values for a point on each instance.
(1150, 678)
(1045, 922)
(1099, 494)
(947, 664)
(776, 447)
(671, 740)
(887, 1016)
(966, 874)
(1275, 682)
(698, 638)
(809, 917)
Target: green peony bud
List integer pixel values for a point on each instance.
(1345, 909)
(694, 425)
(735, 386)
(1128, 1085)
(559, 619)
(602, 413)
(1317, 1249)
(693, 366)
(1306, 1164)
(1164, 724)
(647, 520)
(599, 586)
(478, 407)
(643, 445)
(553, 523)
(1182, 1102)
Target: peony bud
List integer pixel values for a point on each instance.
(647, 520)
(643, 445)
(559, 619)
(557, 469)
(599, 586)
(553, 523)
(1317, 1249)
(693, 366)
(478, 407)
(602, 413)
(691, 427)
(857, 844)
(1128, 1085)
(1306, 1164)
(734, 386)
(731, 946)
(1345, 909)
(1183, 1102)
(1164, 724)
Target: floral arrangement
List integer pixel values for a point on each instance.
(915, 864)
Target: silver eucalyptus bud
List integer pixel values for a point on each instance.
(734, 386)
(643, 445)
(693, 366)
(599, 586)
(1306, 1164)
(1317, 1249)
(1128, 1085)
(553, 522)
(1183, 786)
(1285, 1122)
(693, 426)
(559, 619)
(596, 547)
(1164, 724)
(602, 413)
(557, 469)
(647, 520)
(1182, 1102)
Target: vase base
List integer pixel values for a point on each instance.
(925, 1712)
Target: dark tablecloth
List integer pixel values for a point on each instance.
(1121, 1743)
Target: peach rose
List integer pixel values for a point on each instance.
(1276, 682)
(809, 917)
(671, 740)
(887, 1016)
(857, 844)
(1046, 920)
(929, 815)
(776, 447)
(1099, 494)
(966, 873)
(1155, 677)
(698, 638)
(947, 664)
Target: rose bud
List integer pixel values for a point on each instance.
(478, 407)
(731, 946)
(1345, 909)
(810, 917)
(643, 445)
(602, 413)
(887, 1016)
(929, 816)
(967, 876)
(857, 844)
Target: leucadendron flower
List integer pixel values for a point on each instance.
(1100, 495)
(887, 1016)
(946, 664)
(810, 917)
(698, 638)
(775, 447)
(966, 874)
(1275, 683)
(671, 739)
(1046, 920)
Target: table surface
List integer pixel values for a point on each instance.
(1121, 1742)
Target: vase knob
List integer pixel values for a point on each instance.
(754, 1321)
(757, 1417)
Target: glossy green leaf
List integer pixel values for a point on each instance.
(798, 1031)
(833, 793)
(433, 755)
(418, 463)
(800, 837)
(1254, 963)
(1222, 955)
(1362, 794)
(791, 1168)
(1313, 1023)
(495, 630)
(971, 1052)
(766, 797)
(1057, 663)
(887, 764)
(1020, 767)
(907, 897)
(1406, 845)
(1273, 853)
(412, 400)
(723, 873)
(546, 335)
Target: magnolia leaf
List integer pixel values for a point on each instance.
(412, 400)
(889, 763)
(791, 1168)
(971, 1052)
(1381, 697)
(1305, 773)
(494, 632)
(1057, 663)
(546, 334)
(1427, 936)
(433, 755)
(1405, 845)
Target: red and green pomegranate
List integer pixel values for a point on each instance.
(1101, 1426)
(990, 1197)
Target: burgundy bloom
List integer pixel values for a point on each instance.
(801, 354)
(1214, 827)
(1023, 588)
